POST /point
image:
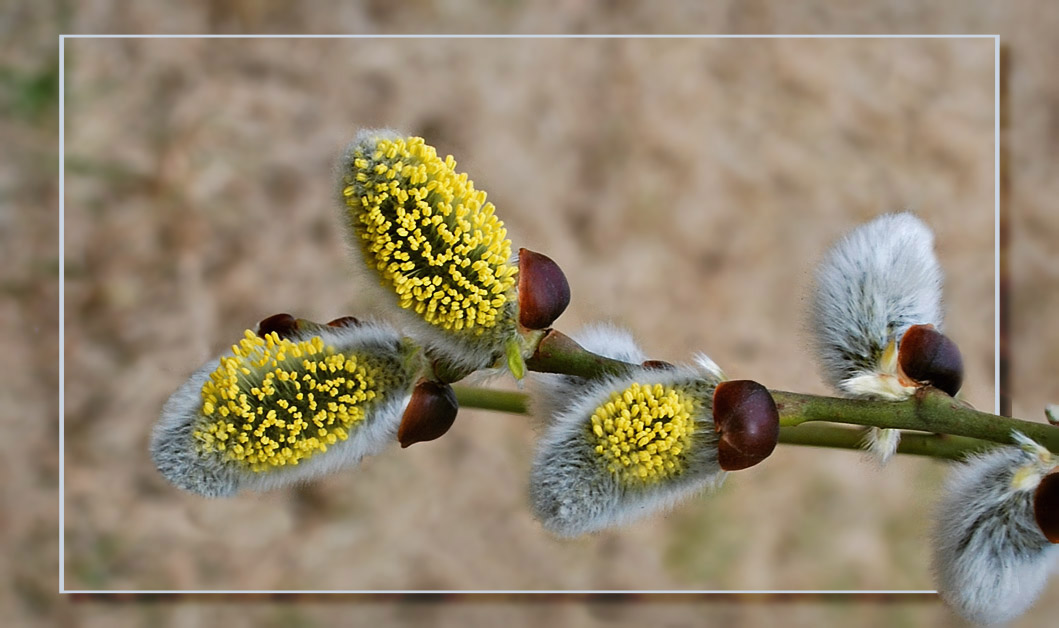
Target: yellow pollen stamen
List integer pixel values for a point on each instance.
(420, 223)
(254, 393)
(643, 432)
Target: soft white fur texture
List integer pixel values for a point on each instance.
(881, 443)
(872, 285)
(875, 283)
(571, 491)
(991, 560)
(175, 454)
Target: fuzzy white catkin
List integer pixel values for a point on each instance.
(571, 491)
(175, 454)
(875, 283)
(991, 560)
(872, 285)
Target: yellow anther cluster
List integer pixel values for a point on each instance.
(641, 432)
(430, 234)
(275, 402)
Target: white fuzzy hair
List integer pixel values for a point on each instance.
(881, 443)
(571, 490)
(210, 474)
(875, 283)
(872, 285)
(991, 560)
(463, 350)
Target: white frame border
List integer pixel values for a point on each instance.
(62, 305)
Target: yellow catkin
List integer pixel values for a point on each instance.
(431, 236)
(275, 402)
(642, 433)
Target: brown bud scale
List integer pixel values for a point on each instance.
(430, 413)
(929, 357)
(1046, 506)
(543, 292)
(284, 325)
(658, 365)
(746, 417)
(344, 321)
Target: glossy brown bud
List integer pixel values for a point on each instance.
(745, 416)
(1046, 506)
(344, 321)
(430, 413)
(543, 292)
(928, 357)
(284, 325)
(657, 365)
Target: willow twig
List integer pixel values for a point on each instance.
(932, 423)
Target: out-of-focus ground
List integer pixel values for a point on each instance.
(686, 187)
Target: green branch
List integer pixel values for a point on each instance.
(794, 431)
(912, 443)
(932, 423)
(930, 410)
(488, 399)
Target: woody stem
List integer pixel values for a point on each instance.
(940, 426)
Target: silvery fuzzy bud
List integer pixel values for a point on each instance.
(991, 558)
(283, 409)
(874, 285)
(624, 447)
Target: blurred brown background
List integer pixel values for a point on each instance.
(686, 186)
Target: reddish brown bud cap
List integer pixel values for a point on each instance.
(543, 292)
(658, 365)
(430, 413)
(1046, 506)
(344, 321)
(745, 415)
(929, 357)
(284, 325)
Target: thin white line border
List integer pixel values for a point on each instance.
(62, 318)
